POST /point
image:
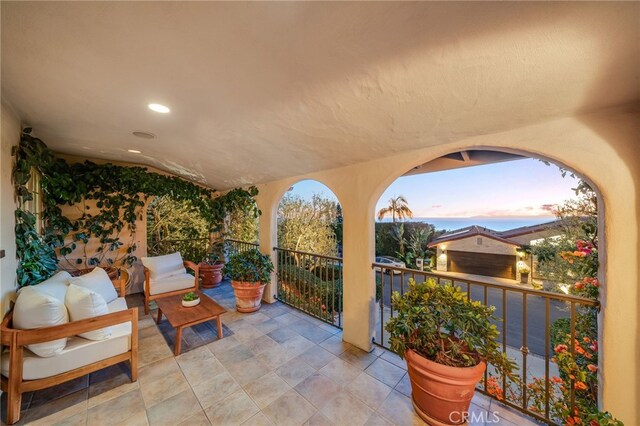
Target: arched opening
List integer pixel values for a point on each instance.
(309, 251)
(540, 272)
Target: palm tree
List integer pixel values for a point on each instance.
(398, 207)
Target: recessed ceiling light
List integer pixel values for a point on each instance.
(159, 108)
(144, 135)
(134, 151)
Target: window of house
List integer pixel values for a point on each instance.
(479, 241)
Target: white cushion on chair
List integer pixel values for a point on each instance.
(172, 283)
(83, 303)
(36, 308)
(78, 352)
(98, 281)
(55, 286)
(161, 267)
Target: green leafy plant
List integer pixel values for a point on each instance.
(249, 266)
(190, 297)
(441, 323)
(119, 193)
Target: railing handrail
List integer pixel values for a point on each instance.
(306, 253)
(241, 242)
(534, 292)
(179, 241)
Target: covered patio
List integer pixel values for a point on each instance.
(275, 366)
(213, 97)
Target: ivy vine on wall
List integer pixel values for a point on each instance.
(118, 192)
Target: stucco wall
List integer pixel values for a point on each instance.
(489, 245)
(602, 147)
(10, 136)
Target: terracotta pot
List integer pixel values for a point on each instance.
(248, 295)
(442, 394)
(211, 275)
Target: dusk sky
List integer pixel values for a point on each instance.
(522, 188)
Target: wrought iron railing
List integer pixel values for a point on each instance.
(527, 318)
(236, 246)
(311, 283)
(195, 249)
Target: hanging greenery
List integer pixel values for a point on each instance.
(118, 192)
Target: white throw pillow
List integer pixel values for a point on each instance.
(98, 281)
(35, 309)
(55, 286)
(84, 303)
(161, 267)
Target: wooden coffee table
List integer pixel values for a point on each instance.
(180, 317)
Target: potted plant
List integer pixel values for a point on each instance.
(524, 270)
(190, 299)
(250, 271)
(447, 341)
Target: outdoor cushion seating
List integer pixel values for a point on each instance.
(166, 276)
(45, 329)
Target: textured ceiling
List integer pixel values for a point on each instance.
(262, 91)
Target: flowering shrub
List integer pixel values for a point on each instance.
(576, 357)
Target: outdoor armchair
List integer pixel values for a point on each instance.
(166, 276)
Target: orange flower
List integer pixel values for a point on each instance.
(581, 386)
(556, 379)
(592, 368)
(586, 339)
(560, 348)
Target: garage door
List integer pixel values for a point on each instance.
(491, 265)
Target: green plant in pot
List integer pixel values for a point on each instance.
(250, 271)
(210, 268)
(447, 341)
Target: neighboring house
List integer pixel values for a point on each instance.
(483, 251)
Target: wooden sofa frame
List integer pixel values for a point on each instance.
(16, 340)
(147, 293)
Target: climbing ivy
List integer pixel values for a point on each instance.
(118, 192)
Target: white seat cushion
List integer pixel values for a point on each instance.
(83, 303)
(173, 283)
(98, 281)
(161, 267)
(35, 309)
(78, 352)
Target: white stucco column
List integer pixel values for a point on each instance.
(358, 286)
(267, 200)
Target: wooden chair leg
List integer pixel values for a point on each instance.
(133, 362)
(14, 397)
(14, 402)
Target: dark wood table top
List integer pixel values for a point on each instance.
(179, 315)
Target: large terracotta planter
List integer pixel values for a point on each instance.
(248, 295)
(210, 275)
(441, 394)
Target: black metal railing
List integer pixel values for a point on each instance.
(526, 320)
(195, 249)
(236, 246)
(311, 283)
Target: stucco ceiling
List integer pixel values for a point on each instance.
(262, 91)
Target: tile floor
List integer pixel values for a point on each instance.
(279, 367)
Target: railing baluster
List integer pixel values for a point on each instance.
(504, 334)
(524, 350)
(547, 343)
(573, 352)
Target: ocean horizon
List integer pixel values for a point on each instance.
(495, 223)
